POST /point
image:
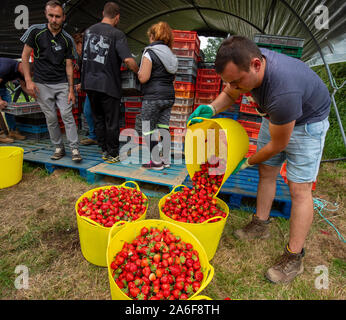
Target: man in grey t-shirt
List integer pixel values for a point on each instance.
(295, 105)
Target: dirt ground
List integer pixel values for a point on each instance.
(39, 231)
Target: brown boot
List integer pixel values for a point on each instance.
(5, 139)
(256, 229)
(288, 266)
(14, 134)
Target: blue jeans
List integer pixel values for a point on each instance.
(89, 118)
(303, 152)
(10, 119)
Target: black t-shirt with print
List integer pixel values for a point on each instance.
(104, 49)
(50, 53)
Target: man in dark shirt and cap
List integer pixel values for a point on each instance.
(10, 70)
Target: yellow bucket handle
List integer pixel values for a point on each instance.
(14, 153)
(212, 218)
(188, 124)
(111, 231)
(126, 182)
(201, 298)
(176, 187)
(91, 221)
(209, 277)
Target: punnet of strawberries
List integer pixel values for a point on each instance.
(157, 265)
(198, 204)
(107, 206)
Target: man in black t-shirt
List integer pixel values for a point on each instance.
(53, 76)
(104, 49)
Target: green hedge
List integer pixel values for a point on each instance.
(334, 145)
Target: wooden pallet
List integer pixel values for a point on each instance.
(133, 171)
(240, 192)
(95, 170)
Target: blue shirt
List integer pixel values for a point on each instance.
(8, 71)
(290, 91)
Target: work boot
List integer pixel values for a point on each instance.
(87, 142)
(58, 154)
(14, 134)
(256, 229)
(76, 157)
(5, 139)
(288, 266)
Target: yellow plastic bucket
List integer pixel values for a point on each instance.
(129, 233)
(11, 166)
(92, 236)
(228, 140)
(209, 234)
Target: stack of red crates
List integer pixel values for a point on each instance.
(250, 120)
(133, 107)
(186, 44)
(207, 86)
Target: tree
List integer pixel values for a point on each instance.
(210, 51)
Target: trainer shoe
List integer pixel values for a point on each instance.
(14, 134)
(76, 157)
(112, 159)
(5, 139)
(153, 165)
(256, 229)
(88, 142)
(287, 267)
(105, 155)
(58, 154)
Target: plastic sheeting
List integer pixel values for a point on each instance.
(295, 18)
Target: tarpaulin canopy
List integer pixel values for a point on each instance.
(297, 18)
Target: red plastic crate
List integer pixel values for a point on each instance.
(133, 104)
(182, 109)
(199, 101)
(250, 124)
(184, 86)
(187, 53)
(207, 72)
(186, 45)
(214, 88)
(249, 108)
(252, 150)
(253, 134)
(208, 80)
(206, 95)
(185, 94)
(185, 35)
(177, 131)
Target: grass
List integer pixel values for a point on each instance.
(39, 230)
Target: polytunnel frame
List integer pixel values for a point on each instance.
(261, 30)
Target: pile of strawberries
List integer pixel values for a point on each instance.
(198, 204)
(107, 206)
(157, 265)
